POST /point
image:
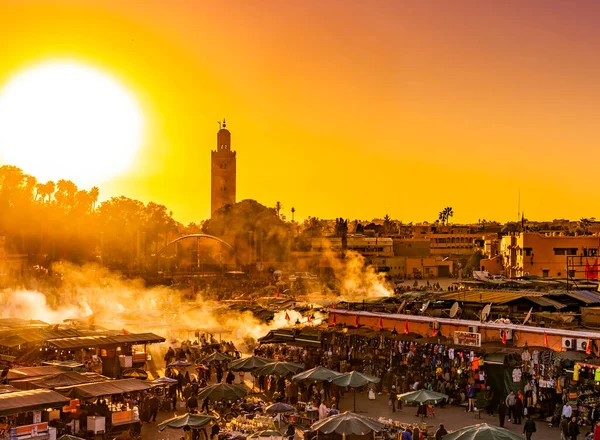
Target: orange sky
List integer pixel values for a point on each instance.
(353, 109)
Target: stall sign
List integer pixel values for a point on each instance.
(467, 338)
(122, 416)
(34, 430)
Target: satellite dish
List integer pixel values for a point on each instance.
(485, 313)
(401, 306)
(528, 317)
(454, 310)
(425, 305)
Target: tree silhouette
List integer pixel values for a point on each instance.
(278, 207)
(445, 215)
(293, 212)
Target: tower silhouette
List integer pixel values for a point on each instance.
(223, 172)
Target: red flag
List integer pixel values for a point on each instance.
(380, 323)
(125, 332)
(588, 347)
(332, 305)
(545, 339)
(434, 332)
(356, 321)
(406, 327)
(334, 321)
(287, 317)
(594, 270)
(309, 318)
(504, 337)
(588, 269)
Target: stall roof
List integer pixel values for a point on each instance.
(64, 379)
(24, 401)
(15, 337)
(108, 388)
(501, 297)
(544, 301)
(103, 341)
(22, 373)
(585, 296)
(485, 296)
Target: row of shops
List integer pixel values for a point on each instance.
(450, 355)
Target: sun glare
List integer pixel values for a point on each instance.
(65, 120)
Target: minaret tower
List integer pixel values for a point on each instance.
(222, 188)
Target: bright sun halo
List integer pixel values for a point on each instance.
(65, 120)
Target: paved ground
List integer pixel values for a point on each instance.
(452, 417)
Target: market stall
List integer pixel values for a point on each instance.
(24, 414)
(119, 413)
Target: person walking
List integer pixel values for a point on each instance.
(567, 411)
(529, 427)
(511, 401)
(502, 413)
(471, 396)
(393, 398)
(573, 429)
(518, 411)
(563, 426)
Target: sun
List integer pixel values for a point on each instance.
(66, 120)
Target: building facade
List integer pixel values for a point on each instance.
(222, 172)
(547, 255)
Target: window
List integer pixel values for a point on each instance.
(571, 273)
(545, 273)
(590, 252)
(565, 251)
(528, 251)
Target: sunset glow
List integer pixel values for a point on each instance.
(67, 120)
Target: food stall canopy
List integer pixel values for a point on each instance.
(68, 365)
(64, 379)
(19, 336)
(105, 341)
(24, 401)
(108, 388)
(25, 372)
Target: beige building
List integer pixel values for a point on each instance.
(455, 244)
(366, 246)
(546, 255)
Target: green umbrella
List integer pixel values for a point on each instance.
(222, 391)
(354, 380)
(215, 357)
(249, 364)
(422, 397)
(191, 420)
(281, 369)
(318, 373)
(347, 423)
(482, 431)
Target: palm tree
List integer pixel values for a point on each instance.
(278, 207)
(448, 212)
(94, 193)
(293, 212)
